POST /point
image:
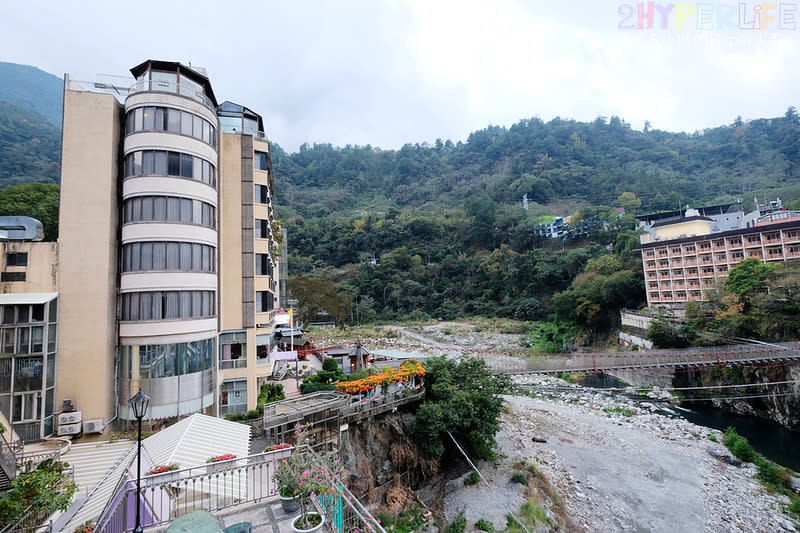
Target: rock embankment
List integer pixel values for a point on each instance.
(619, 465)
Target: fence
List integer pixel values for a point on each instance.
(211, 487)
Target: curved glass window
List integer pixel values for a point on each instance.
(164, 163)
(152, 118)
(169, 209)
(168, 256)
(168, 305)
(167, 360)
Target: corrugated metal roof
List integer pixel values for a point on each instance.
(193, 440)
(103, 491)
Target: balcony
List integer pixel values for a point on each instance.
(172, 88)
(227, 364)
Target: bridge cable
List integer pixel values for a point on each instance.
(475, 468)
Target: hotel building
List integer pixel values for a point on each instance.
(167, 271)
(683, 258)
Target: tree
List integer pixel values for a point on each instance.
(37, 200)
(317, 297)
(462, 397)
(629, 201)
(748, 277)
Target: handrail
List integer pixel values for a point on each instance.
(8, 459)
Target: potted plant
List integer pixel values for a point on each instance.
(213, 467)
(160, 469)
(276, 447)
(305, 477)
(86, 527)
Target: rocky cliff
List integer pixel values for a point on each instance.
(774, 391)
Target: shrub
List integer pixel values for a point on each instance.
(484, 525)
(308, 388)
(46, 488)
(518, 477)
(458, 525)
(472, 479)
(330, 365)
(738, 445)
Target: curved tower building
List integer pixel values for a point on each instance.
(168, 282)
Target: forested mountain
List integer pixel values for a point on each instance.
(33, 89)
(30, 147)
(562, 159)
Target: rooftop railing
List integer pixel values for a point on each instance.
(172, 88)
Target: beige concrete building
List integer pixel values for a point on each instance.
(678, 270)
(28, 328)
(247, 259)
(166, 270)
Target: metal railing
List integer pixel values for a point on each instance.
(32, 521)
(8, 459)
(212, 487)
(227, 364)
(173, 88)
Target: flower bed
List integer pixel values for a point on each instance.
(88, 527)
(160, 469)
(218, 458)
(408, 370)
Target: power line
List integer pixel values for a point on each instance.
(475, 468)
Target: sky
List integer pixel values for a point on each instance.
(390, 72)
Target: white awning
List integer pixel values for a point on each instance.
(21, 298)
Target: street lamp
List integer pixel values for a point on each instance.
(139, 406)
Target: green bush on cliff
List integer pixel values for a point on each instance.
(462, 397)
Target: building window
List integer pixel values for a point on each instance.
(262, 194)
(17, 259)
(169, 209)
(168, 256)
(151, 118)
(164, 163)
(260, 161)
(262, 228)
(264, 301)
(12, 276)
(233, 397)
(168, 305)
(263, 265)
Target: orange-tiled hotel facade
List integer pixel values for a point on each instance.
(686, 269)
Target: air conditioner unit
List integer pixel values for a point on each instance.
(69, 429)
(70, 418)
(93, 426)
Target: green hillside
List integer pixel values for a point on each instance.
(34, 89)
(30, 147)
(561, 162)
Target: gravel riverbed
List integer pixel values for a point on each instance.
(619, 466)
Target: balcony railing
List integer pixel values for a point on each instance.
(227, 364)
(173, 88)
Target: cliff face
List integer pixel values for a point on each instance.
(383, 458)
(780, 403)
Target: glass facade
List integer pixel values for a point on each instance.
(166, 163)
(169, 209)
(156, 118)
(168, 257)
(168, 305)
(27, 367)
(166, 360)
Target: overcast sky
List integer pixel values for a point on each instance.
(390, 72)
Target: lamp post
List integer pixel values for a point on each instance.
(139, 406)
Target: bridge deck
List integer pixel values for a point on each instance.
(587, 362)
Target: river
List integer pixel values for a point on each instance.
(769, 438)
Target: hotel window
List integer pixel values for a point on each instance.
(17, 259)
(263, 265)
(262, 228)
(262, 194)
(12, 276)
(151, 118)
(260, 160)
(264, 301)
